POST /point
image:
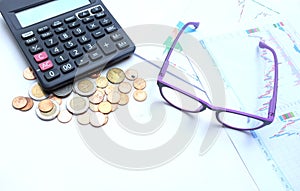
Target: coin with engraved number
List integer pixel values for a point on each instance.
(105, 107)
(84, 119)
(64, 91)
(139, 84)
(19, 102)
(125, 87)
(140, 95)
(29, 104)
(101, 82)
(131, 74)
(114, 97)
(64, 116)
(98, 119)
(115, 75)
(48, 116)
(85, 87)
(28, 74)
(37, 93)
(78, 105)
(46, 105)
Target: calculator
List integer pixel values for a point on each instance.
(65, 40)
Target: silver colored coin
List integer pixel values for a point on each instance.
(64, 92)
(84, 119)
(98, 119)
(114, 97)
(78, 105)
(85, 87)
(125, 87)
(49, 115)
(131, 74)
(64, 116)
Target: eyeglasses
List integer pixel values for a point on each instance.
(188, 102)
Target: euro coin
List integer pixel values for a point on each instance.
(46, 105)
(85, 87)
(101, 82)
(64, 116)
(105, 107)
(139, 84)
(37, 93)
(98, 119)
(78, 105)
(48, 116)
(131, 74)
(29, 104)
(28, 74)
(140, 95)
(125, 87)
(19, 102)
(115, 75)
(114, 97)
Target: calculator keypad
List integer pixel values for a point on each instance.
(75, 42)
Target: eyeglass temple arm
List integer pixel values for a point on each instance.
(166, 62)
(272, 104)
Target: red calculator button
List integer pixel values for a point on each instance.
(46, 65)
(40, 57)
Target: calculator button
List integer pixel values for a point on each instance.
(96, 10)
(46, 35)
(31, 41)
(35, 48)
(100, 15)
(70, 19)
(82, 61)
(56, 50)
(75, 53)
(65, 37)
(51, 42)
(111, 29)
(44, 66)
(51, 74)
(66, 68)
(87, 20)
(89, 47)
(107, 46)
(62, 59)
(84, 39)
(74, 24)
(96, 55)
(57, 24)
(98, 34)
(84, 14)
(122, 45)
(60, 30)
(70, 45)
(105, 22)
(43, 29)
(92, 26)
(78, 31)
(27, 35)
(116, 37)
(40, 57)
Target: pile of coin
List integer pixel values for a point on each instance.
(90, 99)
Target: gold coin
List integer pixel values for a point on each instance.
(125, 87)
(114, 97)
(19, 102)
(124, 99)
(46, 105)
(139, 84)
(28, 74)
(101, 82)
(94, 107)
(131, 74)
(48, 115)
(36, 92)
(97, 97)
(64, 116)
(110, 88)
(98, 119)
(140, 95)
(84, 119)
(29, 104)
(105, 107)
(115, 75)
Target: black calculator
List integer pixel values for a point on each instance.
(64, 40)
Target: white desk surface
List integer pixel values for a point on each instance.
(39, 155)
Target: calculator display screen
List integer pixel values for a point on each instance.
(48, 10)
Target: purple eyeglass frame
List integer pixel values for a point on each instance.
(219, 110)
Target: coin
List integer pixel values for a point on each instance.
(131, 74)
(28, 74)
(29, 104)
(46, 105)
(85, 87)
(115, 75)
(125, 87)
(110, 88)
(64, 116)
(48, 116)
(114, 97)
(124, 99)
(101, 82)
(140, 95)
(97, 97)
(105, 107)
(78, 105)
(19, 102)
(139, 84)
(84, 119)
(94, 107)
(57, 99)
(37, 93)
(98, 119)
(64, 91)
